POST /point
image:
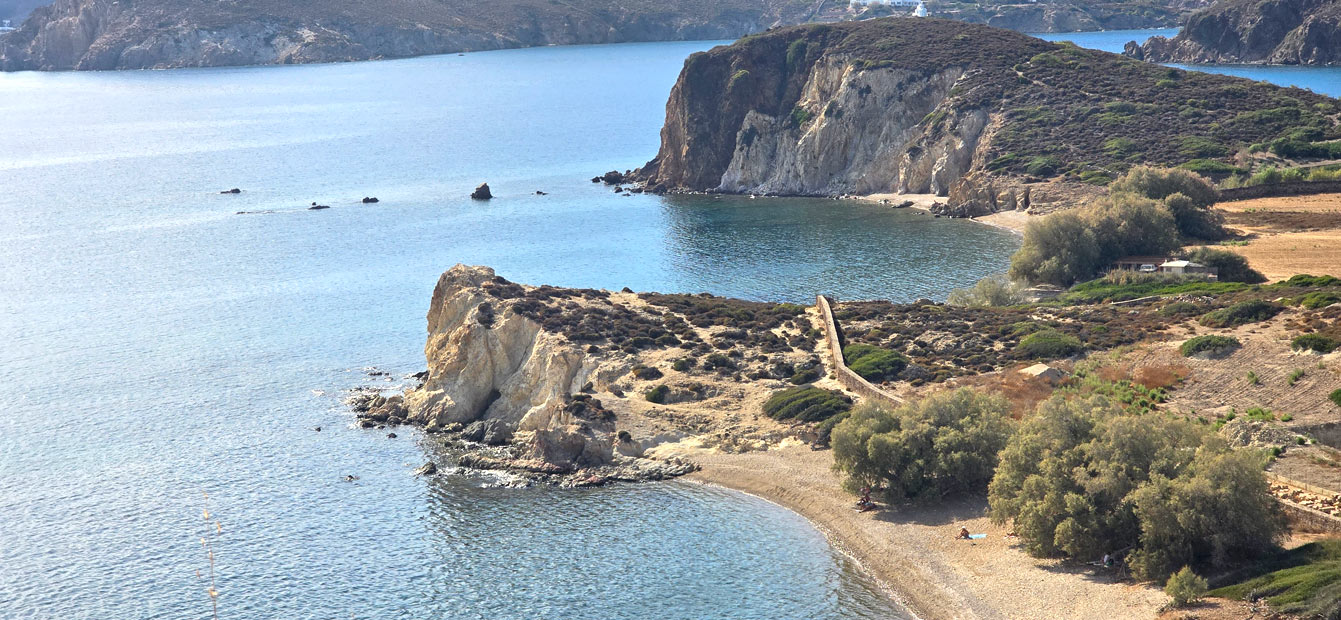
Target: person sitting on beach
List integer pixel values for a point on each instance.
(1108, 561)
(963, 533)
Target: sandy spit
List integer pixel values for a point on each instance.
(912, 548)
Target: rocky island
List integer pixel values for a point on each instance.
(990, 118)
(1280, 32)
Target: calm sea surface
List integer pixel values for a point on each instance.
(157, 345)
(1325, 80)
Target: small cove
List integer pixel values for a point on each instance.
(159, 345)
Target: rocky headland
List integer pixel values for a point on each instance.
(1281, 32)
(991, 119)
(577, 386)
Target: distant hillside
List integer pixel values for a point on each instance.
(1287, 32)
(142, 34)
(974, 113)
(1069, 15)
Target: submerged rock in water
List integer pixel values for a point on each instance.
(231, 191)
(367, 200)
(482, 192)
(427, 469)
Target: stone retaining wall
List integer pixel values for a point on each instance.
(850, 380)
(1295, 188)
(1303, 517)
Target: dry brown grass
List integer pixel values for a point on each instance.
(1023, 391)
(1289, 235)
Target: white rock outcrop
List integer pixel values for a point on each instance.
(487, 362)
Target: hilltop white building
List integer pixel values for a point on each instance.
(901, 3)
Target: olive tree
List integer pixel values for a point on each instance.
(1080, 478)
(945, 443)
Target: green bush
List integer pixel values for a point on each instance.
(1185, 587)
(1313, 342)
(1241, 313)
(945, 443)
(873, 363)
(1043, 166)
(657, 394)
(1319, 299)
(809, 375)
(1307, 281)
(991, 291)
(1208, 166)
(1180, 309)
(1302, 582)
(807, 404)
(646, 373)
(1049, 344)
(1080, 478)
(1212, 344)
(1336, 397)
(683, 364)
(1230, 267)
(1160, 183)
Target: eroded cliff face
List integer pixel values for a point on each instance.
(488, 363)
(1290, 32)
(814, 115)
(156, 34)
(863, 133)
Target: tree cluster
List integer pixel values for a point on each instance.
(1147, 212)
(1080, 479)
(945, 443)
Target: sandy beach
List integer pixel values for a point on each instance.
(1014, 221)
(912, 549)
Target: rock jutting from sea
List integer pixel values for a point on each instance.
(549, 384)
(989, 118)
(1277, 32)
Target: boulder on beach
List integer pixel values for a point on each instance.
(482, 192)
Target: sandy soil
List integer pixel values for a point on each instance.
(1313, 246)
(1014, 221)
(913, 550)
(1214, 386)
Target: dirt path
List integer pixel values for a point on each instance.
(913, 549)
(1289, 235)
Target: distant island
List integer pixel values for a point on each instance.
(1294, 32)
(159, 34)
(988, 118)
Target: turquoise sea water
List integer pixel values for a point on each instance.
(157, 345)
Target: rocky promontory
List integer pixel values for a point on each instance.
(580, 386)
(985, 116)
(1282, 32)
